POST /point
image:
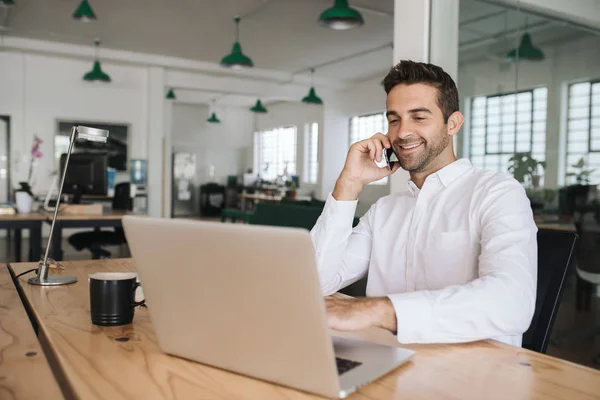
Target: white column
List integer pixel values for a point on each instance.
(333, 143)
(426, 31)
(156, 141)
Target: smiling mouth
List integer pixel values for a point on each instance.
(411, 146)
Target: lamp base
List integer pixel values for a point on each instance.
(52, 280)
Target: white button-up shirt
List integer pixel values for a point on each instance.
(457, 259)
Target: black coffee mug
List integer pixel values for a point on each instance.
(112, 298)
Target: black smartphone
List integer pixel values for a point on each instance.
(387, 155)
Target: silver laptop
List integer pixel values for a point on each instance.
(246, 298)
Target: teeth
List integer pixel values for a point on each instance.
(411, 146)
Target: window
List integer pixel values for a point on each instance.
(505, 124)
(275, 152)
(583, 128)
(312, 151)
(365, 126)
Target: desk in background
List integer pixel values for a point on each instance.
(18, 222)
(126, 363)
(556, 222)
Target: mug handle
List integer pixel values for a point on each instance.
(137, 303)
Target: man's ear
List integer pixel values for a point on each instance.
(455, 122)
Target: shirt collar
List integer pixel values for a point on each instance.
(453, 171)
(446, 175)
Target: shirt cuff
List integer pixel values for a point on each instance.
(342, 211)
(414, 316)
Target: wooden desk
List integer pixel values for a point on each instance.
(559, 223)
(126, 362)
(108, 219)
(24, 370)
(18, 222)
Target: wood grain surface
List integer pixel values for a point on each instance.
(32, 216)
(126, 362)
(24, 370)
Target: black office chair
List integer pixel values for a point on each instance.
(97, 239)
(555, 255)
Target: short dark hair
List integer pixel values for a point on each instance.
(410, 72)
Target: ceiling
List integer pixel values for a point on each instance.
(278, 35)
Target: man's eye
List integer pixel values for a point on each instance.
(393, 122)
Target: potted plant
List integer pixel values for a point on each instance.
(523, 165)
(291, 187)
(577, 194)
(582, 176)
(24, 195)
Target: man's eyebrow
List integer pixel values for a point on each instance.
(420, 109)
(413, 111)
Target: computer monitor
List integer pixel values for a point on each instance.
(86, 174)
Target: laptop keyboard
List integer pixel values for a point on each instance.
(344, 365)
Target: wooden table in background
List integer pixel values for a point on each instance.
(558, 223)
(108, 219)
(31, 221)
(24, 369)
(126, 362)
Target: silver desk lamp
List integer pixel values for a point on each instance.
(42, 278)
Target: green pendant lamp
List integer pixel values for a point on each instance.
(213, 116)
(341, 16)
(213, 119)
(312, 97)
(236, 59)
(84, 12)
(96, 74)
(258, 107)
(526, 51)
(171, 95)
(7, 3)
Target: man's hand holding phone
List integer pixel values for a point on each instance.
(361, 168)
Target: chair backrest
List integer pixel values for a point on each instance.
(555, 255)
(286, 215)
(122, 199)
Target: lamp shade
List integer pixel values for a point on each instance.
(96, 74)
(84, 12)
(525, 51)
(171, 95)
(258, 107)
(92, 134)
(312, 97)
(213, 119)
(236, 59)
(7, 3)
(341, 16)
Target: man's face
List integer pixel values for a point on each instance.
(417, 128)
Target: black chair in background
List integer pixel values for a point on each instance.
(555, 255)
(97, 239)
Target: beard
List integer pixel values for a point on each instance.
(419, 160)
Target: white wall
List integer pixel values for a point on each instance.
(37, 90)
(223, 146)
(298, 115)
(567, 62)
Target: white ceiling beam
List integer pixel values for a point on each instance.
(238, 86)
(169, 63)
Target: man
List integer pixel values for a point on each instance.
(454, 259)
